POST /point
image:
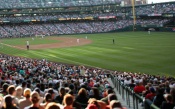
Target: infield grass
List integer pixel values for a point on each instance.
(132, 51)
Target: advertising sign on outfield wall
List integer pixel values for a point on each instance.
(107, 17)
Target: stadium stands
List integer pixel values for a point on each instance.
(153, 9)
(70, 28)
(154, 88)
(49, 77)
(53, 3)
(43, 77)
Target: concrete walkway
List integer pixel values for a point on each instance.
(124, 104)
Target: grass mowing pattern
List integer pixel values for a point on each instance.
(132, 51)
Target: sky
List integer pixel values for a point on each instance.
(158, 1)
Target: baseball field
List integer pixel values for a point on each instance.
(131, 51)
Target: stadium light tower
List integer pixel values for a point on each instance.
(133, 14)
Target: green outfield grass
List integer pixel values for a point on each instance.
(132, 51)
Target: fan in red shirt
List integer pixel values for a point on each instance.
(1, 70)
(151, 95)
(139, 88)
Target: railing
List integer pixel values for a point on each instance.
(130, 97)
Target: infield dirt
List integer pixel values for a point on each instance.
(63, 42)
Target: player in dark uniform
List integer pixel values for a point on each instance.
(27, 45)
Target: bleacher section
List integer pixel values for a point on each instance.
(52, 3)
(71, 27)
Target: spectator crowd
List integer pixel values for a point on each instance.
(153, 9)
(159, 8)
(158, 89)
(40, 84)
(47, 29)
(52, 3)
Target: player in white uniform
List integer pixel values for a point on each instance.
(78, 41)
